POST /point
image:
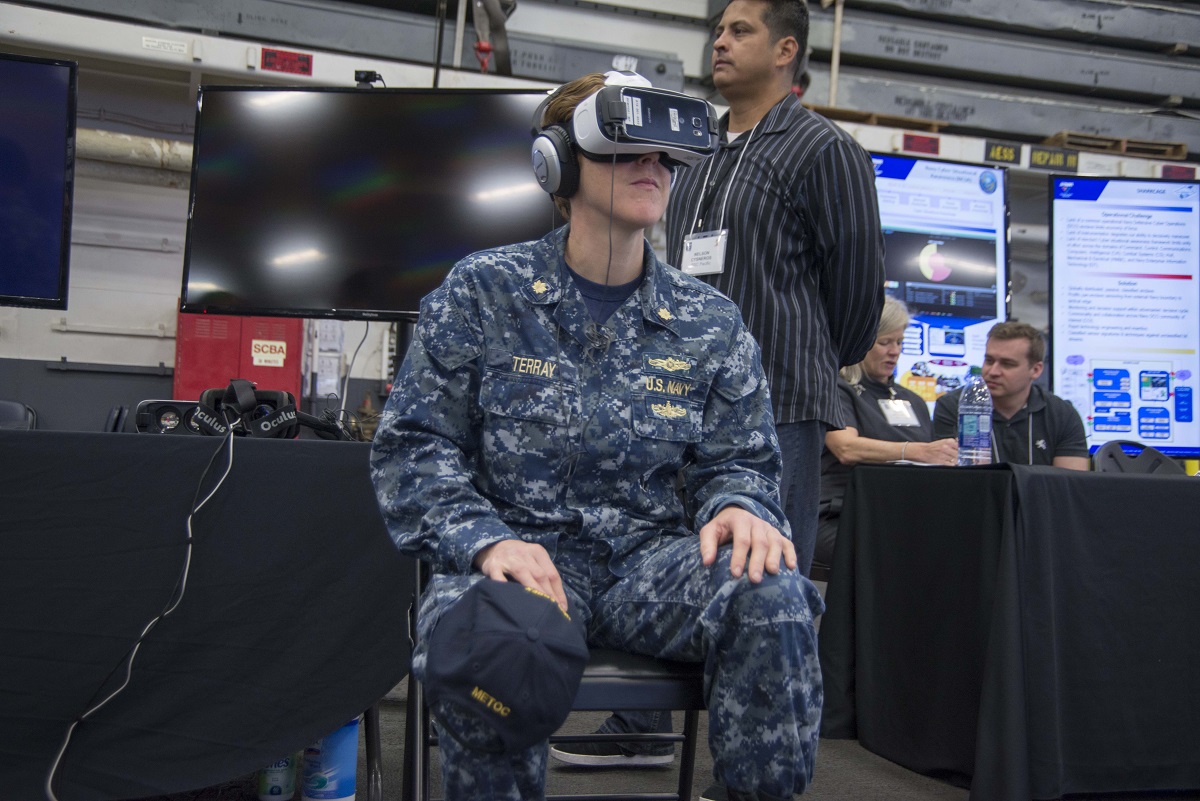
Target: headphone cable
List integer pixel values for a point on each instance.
(172, 603)
(612, 205)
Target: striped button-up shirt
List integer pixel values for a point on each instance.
(804, 257)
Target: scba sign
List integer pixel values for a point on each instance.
(268, 353)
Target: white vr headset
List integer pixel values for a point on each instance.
(628, 115)
(625, 117)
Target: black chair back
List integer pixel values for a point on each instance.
(116, 418)
(1112, 457)
(15, 415)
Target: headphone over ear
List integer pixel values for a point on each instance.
(555, 164)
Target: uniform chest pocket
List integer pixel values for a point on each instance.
(672, 419)
(537, 401)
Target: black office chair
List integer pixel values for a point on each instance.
(1112, 457)
(17, 416)
(611, 680)
(116, 418)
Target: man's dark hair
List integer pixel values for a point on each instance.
(788, 18)
(1015, 330)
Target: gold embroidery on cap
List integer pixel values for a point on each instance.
(670, 363)
(668, 409)
(493, 704)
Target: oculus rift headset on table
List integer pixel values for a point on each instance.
(249, 411)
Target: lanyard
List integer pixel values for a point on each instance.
(710, 189)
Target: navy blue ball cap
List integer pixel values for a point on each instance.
(508, 657)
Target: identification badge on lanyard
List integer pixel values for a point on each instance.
(899, 413)
(704, 253)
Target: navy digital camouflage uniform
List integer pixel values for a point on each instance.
(507, 420)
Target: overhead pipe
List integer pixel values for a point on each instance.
(835, 58)
(133, 159)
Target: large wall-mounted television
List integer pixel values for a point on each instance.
(1125, 307)
(352, 203)
(37, 179)
(945, 229)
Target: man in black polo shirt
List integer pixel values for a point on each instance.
(1029, 424)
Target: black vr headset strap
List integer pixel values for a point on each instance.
(209, 421)
(239, 395)
(282, 422)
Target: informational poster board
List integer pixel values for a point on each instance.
(1125, 312)
(945, 230)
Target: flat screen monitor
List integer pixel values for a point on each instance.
(37, 179)
(352, 203)
(1125, 307)
(945, 229)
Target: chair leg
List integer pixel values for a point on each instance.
(687, 756)
(374, 762)
(416, 744)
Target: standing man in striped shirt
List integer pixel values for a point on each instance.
(783, 219)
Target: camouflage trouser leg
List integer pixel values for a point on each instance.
(472, 775)
(758, 643)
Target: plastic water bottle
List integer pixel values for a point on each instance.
(277, 781)
(975, 421)
(330, 765)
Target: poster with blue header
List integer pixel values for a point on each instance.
(945, 228)
(1125, 307)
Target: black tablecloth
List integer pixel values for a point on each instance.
(1028, 629)
(293, 619)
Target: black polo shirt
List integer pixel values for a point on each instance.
(861, 411)
(1045, 427)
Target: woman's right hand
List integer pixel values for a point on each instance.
(524, 562)
(940, 451)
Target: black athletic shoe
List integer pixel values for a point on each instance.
(611, 754)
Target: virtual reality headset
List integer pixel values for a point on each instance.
(629, 116)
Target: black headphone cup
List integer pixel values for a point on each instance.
(554, 162)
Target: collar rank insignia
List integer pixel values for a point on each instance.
(665, 314)
(540, 287)
(670, 364)
(668, 410)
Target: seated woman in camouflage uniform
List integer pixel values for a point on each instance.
(553, 393)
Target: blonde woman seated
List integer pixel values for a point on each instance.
(885, 422)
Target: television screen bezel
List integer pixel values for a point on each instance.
(338, 313)
(59, 301)
(1178, 452)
